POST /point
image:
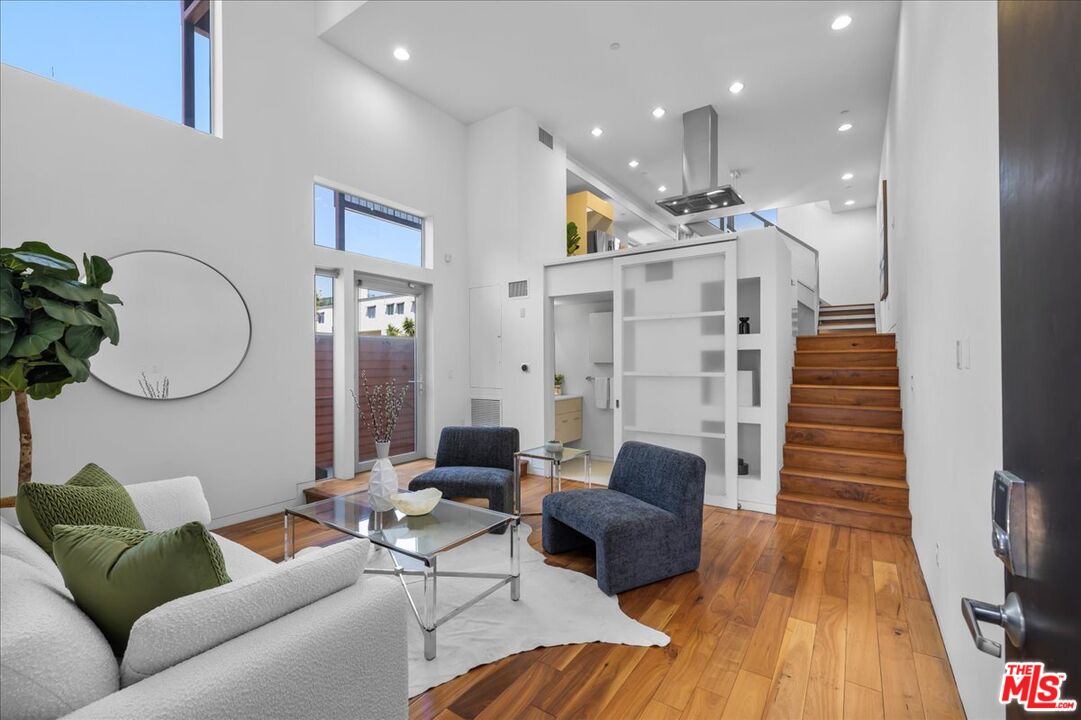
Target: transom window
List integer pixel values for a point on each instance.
(358, 225)
(129, 51)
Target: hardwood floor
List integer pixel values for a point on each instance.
(785, 618)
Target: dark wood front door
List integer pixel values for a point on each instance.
(1040, 174)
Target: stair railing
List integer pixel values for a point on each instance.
(814, 253)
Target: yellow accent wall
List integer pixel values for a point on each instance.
(579, 206)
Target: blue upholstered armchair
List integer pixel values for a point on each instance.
(646, 526)
(476, 462)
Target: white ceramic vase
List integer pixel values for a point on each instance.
(384, 479)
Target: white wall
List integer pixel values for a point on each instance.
(847, 244)
(940, 158)
(516, 190)
(572, 337)
(85, 174)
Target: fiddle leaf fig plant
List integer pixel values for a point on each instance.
(51, 324)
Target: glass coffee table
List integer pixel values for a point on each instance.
(554, 460)
(415, 542)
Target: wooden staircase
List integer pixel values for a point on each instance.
(844, 460)
(846, 319)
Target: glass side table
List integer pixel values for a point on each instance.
(554, 461)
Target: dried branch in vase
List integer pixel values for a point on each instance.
(384, 403)
(154, 390)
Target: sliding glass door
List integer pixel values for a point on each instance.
(390, 352)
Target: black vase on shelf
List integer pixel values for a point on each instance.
(743, 468)
(745, 326)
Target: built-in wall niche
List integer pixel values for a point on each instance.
(750, 449)
(749, 302)
(749, 380)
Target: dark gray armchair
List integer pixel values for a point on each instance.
(476, 462)
(646, 526)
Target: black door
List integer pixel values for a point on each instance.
(1040, 201)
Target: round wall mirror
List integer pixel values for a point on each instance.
(184, 328)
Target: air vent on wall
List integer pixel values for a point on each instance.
(545, 137)
(518, 288)
(486, 413)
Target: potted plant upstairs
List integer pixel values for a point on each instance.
(379, 411)
(51, 324)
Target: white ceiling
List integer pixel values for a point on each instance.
(474, 59)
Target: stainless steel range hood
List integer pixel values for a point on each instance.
(701, 191)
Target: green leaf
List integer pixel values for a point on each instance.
(47, 390)
(79, 368)
(83, 341)
(66, 289)
(43, 332)
(108, 323)
(98, 270)
(69, 314)
(111, 299)
(7, 338)
(41, 258)
(11, 300)
(12, 375)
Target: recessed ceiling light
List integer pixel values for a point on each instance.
(633, 163)
(841, 22)
(401, 53)
(662, 188)
(847, 176)
(658, 112)
(735, 87)
(844, 127)
(596, 132)
(614, 46)
(850, 203)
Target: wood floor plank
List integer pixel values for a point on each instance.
(638, 689)
(703, 704)
(900, 687)
(826, 681)
(519, 695)
(751, 598)
(818, 548)
(937, 688)
(808, 595)
(572, 680)
(533, 713)
(682, 678)
(908, 568)
(659, 711)
(883, 548)
(859, 553)
(789, 685)
(722, 669)
(862, 703)
(887, 590)
(861, 644)
(923, 628)
(748, 697)
(786, 578)
(766, 639)
(473, 701)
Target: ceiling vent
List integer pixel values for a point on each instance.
(545, 137)
(518, 288)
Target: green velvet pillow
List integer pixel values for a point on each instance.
(91, 497)
(117, 575)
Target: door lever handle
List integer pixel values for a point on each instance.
(1007, 615)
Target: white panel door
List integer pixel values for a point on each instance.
(675, 382)
(485, 337)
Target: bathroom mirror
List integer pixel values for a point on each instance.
(184, 328)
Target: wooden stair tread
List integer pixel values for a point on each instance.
(876, 454)
(830, 406)
(846, 387)
(845, 477)
(868, 334)
(845, 504)
(849, 350)
(846, 428)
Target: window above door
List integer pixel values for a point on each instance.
(358, 225)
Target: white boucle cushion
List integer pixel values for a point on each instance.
(240, 562)
(165, 504)
(53, 659)
(15, 544)
(191, 625)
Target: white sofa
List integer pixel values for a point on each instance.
(342, 656)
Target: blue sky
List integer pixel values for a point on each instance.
(365, 234)
(124, 50)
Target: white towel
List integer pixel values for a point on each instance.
(602, 392)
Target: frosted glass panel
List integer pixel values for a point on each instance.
(672, 346)
(674, 405)
(687, 285)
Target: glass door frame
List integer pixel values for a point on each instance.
(420, 362)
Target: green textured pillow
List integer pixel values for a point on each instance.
(91, 497)
(117, 575)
